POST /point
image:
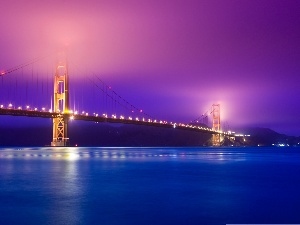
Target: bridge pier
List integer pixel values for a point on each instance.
(60, 128)
(216, 140)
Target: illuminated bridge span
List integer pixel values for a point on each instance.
(61, 113)
(104, 118)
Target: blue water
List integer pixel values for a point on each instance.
(149, 185)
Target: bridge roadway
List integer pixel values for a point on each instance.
(104, 118)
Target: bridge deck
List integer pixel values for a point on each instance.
(103, 119)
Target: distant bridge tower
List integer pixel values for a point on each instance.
(216, 141)
(61, 102)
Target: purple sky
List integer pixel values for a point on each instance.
(173, 58)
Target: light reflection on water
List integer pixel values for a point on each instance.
(72, 154)
(203, 154)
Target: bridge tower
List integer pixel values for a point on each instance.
(216, 141)
(61, 102)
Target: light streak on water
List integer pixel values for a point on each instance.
(200, 154)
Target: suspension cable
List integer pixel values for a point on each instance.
(203, 116)
(21, 66)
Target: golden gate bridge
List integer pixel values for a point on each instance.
(61, 112)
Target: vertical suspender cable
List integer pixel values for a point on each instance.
(1, 88)
(31, 102)
(16, 89)
(37, 89)
(106, 100)
(26, 80)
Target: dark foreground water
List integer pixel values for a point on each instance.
(149, 185)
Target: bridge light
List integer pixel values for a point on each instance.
(50, 110)
(27, 107)
(72, 117)
(10, 105)
(174, 125)
(43, 109)
(35, 109)
(137, 119)
(19, 107)
(76, 112)
(1, 106)
(86, 114)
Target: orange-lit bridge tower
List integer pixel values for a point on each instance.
(61, 102)
(216, 139)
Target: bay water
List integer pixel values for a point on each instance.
(92, 185)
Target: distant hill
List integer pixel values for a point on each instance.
(267, 137)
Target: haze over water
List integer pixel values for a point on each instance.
(181, 56)
(149, 185)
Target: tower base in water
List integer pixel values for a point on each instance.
(59, 143)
